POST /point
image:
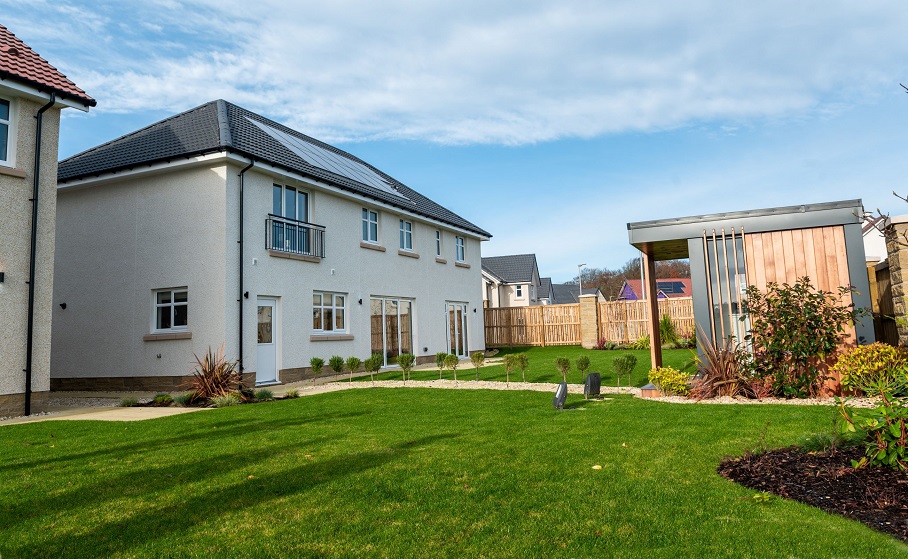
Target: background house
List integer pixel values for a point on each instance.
(666, 288)
(545, 294)
(32, 94)
(567, 293)
(510, 281)
(218, 226)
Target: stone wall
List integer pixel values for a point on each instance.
(898, 261)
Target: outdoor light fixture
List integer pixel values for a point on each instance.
(2, 276)
(63, 306)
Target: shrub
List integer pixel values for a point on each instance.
(523, 363)
(583, 365)
(225, 400)
(563, 364)
(867, 365)
(405, 361)
(794, 329)
(264, 395)
(336, 363)
(352, 364)
(451, 362)
(604, 344)
(669, 381)
(129, 402)
(722, 370)
(641, 343)
(667, 332)
(184, 400)
(162, 400)
(292, 394)
(440, 362)
(374, 363)
(317, 364)
(477, 358)
(624, 365)
(884, 429)
(510, 364)
(214, 375)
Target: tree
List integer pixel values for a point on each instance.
(373, 364)
(477, 358)
(440, 362)
(563, 364)
(316, 363)
(451, 362)
(352, 365)
(510, 363)
(583, 365)
(336, 362)
(523, 363)
(610, 281)
(405, 361)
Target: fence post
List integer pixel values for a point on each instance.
(589, 321)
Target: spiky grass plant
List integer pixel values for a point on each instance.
(226, 400)
(213, 375)
(722, 369)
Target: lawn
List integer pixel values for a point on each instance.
(414, 473)
(542, 366)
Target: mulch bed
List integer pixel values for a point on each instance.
(876, 496)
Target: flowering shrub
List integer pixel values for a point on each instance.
(669, 381)
(866, 365)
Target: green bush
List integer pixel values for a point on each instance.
(563, 364)
(477, 358)
(523, 363)
(225, 400)
(352, 364)
(405, 361)
(583, 365)
(129, 402)
(162, 400)
(883, 430)
(292, 394)
(667, 332)
(317, 364)
(793, 330)
(451, 362)
(336, 363)
(184, 400)
(624, 365)
(440, 362)
(669, 381)
(510, 364)
(374, 363)
(641, 343)
(264, 395)
(867, 365)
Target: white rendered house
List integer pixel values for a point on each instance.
(219, 226)
(513, 281)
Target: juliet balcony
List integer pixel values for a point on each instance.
(290, 238)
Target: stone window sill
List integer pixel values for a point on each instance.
(441, 260)
(372, 246)
(169, 336)
(408, 253)
(462, 265)
(12, 172)
(292, 256)
(331, 337)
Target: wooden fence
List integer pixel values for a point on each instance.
(619, 321)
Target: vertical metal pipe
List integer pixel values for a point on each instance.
(719, 287)
(30, 335)
(709, 289)
(242, 296)
(731, 318)
(734, 244)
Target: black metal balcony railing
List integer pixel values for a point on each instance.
(296, 237)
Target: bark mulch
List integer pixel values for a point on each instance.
(876, 496)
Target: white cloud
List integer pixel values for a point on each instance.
(480, 71)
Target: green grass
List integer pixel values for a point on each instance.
(542, 366)
(414, 473)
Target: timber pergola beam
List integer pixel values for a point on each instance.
(652, 306)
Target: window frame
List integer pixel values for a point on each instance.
(282, 211)
(406, 235)
(438, 243)
(370, 226)
(173, 291)
(334, 308)
(460, 251)
(518, 291)
(10, 160)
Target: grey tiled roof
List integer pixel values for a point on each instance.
(514, 268)
(222, 126)
(545, 288)
(566, 293)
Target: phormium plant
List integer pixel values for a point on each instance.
(794, 329)
(723, 370)
(213, 375)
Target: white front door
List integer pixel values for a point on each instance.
(457, 329)
(268, 335)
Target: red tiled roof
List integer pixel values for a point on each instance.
(20, 63)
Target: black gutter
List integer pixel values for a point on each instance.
(242, 176)
(29, 340)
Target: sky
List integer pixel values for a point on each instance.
(550, 124)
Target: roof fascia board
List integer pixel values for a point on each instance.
(145, 169)
(492, 278)
(280, 172)
(34, 94)
(794, 217)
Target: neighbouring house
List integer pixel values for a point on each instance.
(730, 251)
(510, 281)
(32, 95)
(219, 226)
(666, 288)
(545, 294)
(568, 293)
(874, 240)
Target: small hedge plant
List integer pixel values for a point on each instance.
(669, 381)
(867, 365)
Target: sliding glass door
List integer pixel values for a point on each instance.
(392, 327)
(457, 328)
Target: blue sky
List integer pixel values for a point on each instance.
(550, 124)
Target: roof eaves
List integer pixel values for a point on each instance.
(41, 86)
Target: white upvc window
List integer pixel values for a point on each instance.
(171, 310)
(438, 243)
(406, 235)
(370, 226)
(6, 132)
(290, 202)
(519, 291)
(458, 249)
(329, 311)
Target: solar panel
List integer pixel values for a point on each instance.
(670, 286)
(328, 160)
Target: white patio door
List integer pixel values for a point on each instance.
(457, 328)
(392, 327)
(268, 335)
